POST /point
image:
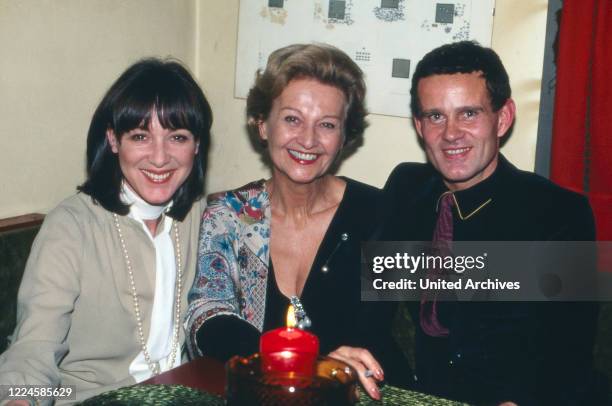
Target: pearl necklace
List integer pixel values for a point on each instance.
(154, 366)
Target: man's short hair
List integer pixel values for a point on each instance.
(463, 57)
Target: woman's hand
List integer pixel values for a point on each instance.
(361, 360)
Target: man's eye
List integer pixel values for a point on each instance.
(434, 117)
(470, 113)
(328, 125)
(291, 119)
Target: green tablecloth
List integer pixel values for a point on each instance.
(182, 395)
(165, 395)
(396, 396)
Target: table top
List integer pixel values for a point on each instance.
(206, 374)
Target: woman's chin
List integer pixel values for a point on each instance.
(157, 200)
(304, 180)
(300, 177)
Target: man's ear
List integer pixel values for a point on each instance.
(417, 126)
(505, 117)
(112, 140)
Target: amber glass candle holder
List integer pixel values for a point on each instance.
(333, 383)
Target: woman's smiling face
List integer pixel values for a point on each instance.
(305, 129)
(155, 161)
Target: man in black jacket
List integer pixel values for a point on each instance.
(523, 353)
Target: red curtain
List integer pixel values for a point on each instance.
(581, 156)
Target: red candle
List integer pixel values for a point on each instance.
(289, 349)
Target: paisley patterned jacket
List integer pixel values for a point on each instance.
(233, 251)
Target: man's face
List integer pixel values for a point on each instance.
(460, 130)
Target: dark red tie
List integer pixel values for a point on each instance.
(441, 240)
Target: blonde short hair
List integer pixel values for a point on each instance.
(321, 62)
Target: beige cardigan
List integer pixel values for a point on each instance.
(75, 317)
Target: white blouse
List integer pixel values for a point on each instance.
(159, 341)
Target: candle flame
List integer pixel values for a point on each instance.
(291, 321)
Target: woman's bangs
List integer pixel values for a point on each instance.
(175, 105)
(133, 112)
(175, 110)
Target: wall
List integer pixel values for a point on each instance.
(518, 36)
(58, 58)
(519, 32)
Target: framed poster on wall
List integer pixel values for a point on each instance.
(384, 37)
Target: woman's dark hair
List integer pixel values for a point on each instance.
(320, 62)
(463, 57)
(150, 85)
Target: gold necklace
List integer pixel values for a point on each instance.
(154, 366)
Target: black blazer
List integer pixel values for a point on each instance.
(530, 353)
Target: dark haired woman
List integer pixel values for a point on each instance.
(297, 234)
(103, 294)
